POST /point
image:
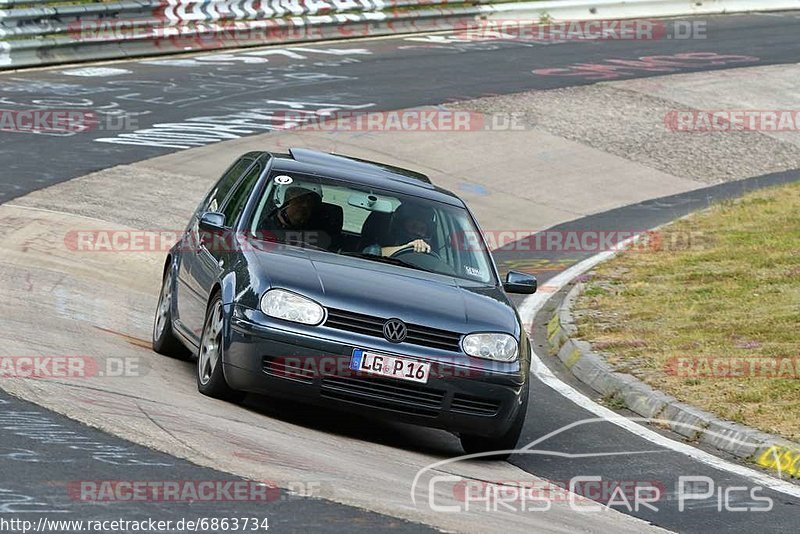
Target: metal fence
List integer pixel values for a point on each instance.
(39, 32)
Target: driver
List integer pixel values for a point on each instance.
(300, 205)
(411, 228)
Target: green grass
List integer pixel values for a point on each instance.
(730, 289)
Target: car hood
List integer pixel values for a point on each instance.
(383, 290)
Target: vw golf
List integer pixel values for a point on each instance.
(361, 286)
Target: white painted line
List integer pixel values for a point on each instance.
(94, 72)
(528, 310)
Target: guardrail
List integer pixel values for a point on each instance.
(627, 9)
(38, 32)
(42, 32)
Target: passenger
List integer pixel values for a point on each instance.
(299, 207)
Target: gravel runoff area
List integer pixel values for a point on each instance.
(631, 125)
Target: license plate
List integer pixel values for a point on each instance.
(392, 366)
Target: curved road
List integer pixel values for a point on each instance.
(390, 74)
(153, 107)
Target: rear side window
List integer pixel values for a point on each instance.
(238, 200)
(217, 195)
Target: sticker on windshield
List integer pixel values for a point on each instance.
(472, 271)
(283, 179)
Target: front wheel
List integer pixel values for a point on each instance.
(210, 378)
(505, 442)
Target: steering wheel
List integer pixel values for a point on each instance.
(410, 250)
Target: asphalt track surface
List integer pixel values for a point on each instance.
(46, 458)
(390, 74)
(394, 74)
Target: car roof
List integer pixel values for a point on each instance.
(362, 172)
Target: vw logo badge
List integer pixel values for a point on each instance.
(395, 330)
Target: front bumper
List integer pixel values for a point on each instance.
(274, 358)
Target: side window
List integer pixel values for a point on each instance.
(238, 199)
(225, 184)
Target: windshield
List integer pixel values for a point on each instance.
(375, 225)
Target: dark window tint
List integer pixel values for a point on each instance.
(217, 195)
(238, 199)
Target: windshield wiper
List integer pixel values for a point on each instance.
(385, 259)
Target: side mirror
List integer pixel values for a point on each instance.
(212, 221)
(517, 282)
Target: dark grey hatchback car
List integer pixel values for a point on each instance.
(361, 286)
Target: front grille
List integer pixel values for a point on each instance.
(474, 405)
(279, 368)
(373, 326)
(380, 393)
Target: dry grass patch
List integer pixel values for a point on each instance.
(723, 289)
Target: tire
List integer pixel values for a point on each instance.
(164, 340)
(480, 444)
(210, 376)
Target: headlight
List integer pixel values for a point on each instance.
(289, 306)
(501, 347)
